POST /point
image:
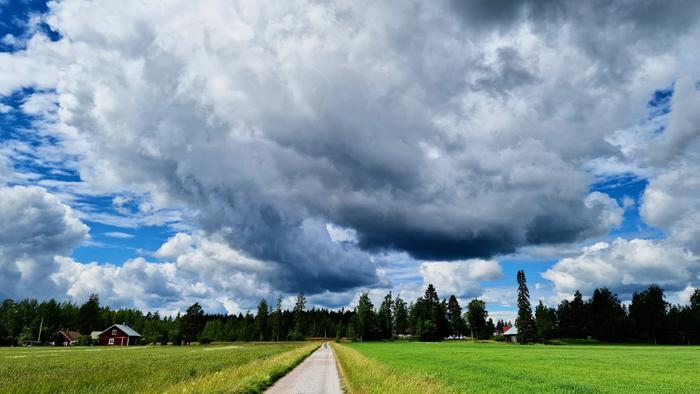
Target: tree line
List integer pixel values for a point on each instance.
(20, 322)
(649, 318)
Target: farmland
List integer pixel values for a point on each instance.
(233, 367)
(457, 367)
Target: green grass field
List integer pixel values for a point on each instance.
(218, 368)
(461, 367)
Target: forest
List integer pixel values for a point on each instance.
(648, 318)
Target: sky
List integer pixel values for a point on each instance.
(220, 152)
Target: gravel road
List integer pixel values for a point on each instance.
(316, 375)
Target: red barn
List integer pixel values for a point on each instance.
(64, 338)
(118, 335)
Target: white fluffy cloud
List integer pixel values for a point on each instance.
(460, 278)
(625, 266)
(311, 137)
(240, 118)
(672, 198)
(194, 268)
(670, 202)
(39, 231)
(36, 227)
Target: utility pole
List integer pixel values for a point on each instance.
(41, 325)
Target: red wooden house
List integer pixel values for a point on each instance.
(118, 335)
(64, 338)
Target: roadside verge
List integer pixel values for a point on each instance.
(360, 374)
(250, 378)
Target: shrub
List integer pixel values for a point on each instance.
(84, 340)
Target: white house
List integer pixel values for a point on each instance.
(511, 335)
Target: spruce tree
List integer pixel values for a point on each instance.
(262, 320)
(384, 318)
(276, 320)
(454, 315)
(476, 316)
(299, 313)
(428, 315)
(89, 315)
(648, 311)
(365, 317)
(524, 322)
(192, 323)
(545, 321)
(400, 317)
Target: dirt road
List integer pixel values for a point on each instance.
(316, 375)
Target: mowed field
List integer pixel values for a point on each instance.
(237, 367)
(462, 367)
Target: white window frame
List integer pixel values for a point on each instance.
(114, 332)
(111, 341)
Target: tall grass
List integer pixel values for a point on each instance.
(136, 369)
(363, 375)
(248, 378)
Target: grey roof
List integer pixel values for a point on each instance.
(511, 331)
(126, 329)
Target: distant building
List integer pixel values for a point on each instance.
(511, 335)
(500, 332)
(64, 338)
(118, 335)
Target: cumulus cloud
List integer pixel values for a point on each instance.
(671, 201)
(684, 295)
(625, 266)
(36, 228)
(309, 138)
(409, 157)
(461, 278)
(193, 268)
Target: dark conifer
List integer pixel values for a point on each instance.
(524, 322)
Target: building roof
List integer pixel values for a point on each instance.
(126, 329)
(506, 328)
(511, 331)
(70, 335)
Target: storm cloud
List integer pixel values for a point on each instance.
(445, 130)
(282, 126)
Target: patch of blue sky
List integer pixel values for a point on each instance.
(20, 135)
(15, 19)
(14, 123)
(105, 248)
(619, 187)
(499, 312)
(533, 271)
(660, 102)
(626, 189)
